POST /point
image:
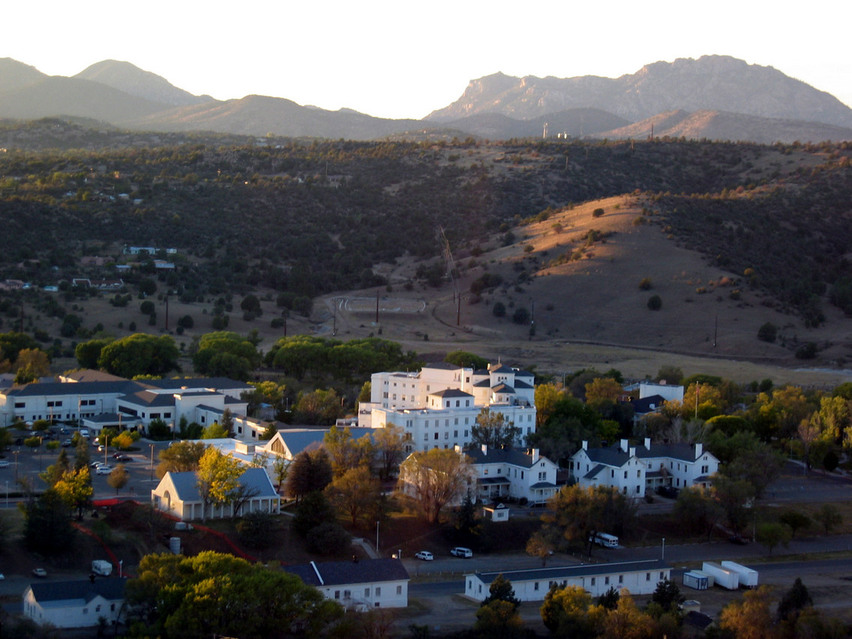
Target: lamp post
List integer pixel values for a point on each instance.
(16, 453)
(377, 538)
(152, 461)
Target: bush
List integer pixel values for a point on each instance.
(655, 303)
(499, 309)
(597, 212)
(768, 332)
(645, 284)
(806, 351)
(521, 315)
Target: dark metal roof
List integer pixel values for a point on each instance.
(594, 471)
(111, 589)
(502, 387)
(582, 570)
(501, 456)
(451, 392)
(75, 388)
(340, 573)
(186, 484)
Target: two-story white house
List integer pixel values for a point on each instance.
(438, 406)
(502, 473)
(637, 470)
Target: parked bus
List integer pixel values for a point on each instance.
(604, 539)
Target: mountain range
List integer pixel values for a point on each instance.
(713, 97)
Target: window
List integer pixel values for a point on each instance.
(436, 435)
(625, 474)
(98, 608)
(661, 576)
(535, 586)
(621, 579)
(399, 590)
(606, 581)
(425, 437)
(647, 576)
(593, 581)
(20, 405)
(638, 474)
(337, 594)
(347, 594)
(378, 591)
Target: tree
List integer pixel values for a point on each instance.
(759, 466)
(217, 478)
(139, 354)
(577, 513)
(463, 359)
(314, 509)
(767, 332)
(655, 303)
(217, 594)
(697, 510)
(499, 619)
(118, 478)
(602, 391)
(225, 354)
(568, 612)
(215, 431)
(735, 497)
(829, 517)
(280, 469)
(795, 520)
(627, 621)
(540, 545)
(667, 595)
(794, 601)
(353, 492)
(320, 407)
(75, 488)
(55, 471)
(309, 471)
(180, 457)
(492, 430)
(435, 478)
(47, 525)
(31, 364)
(501, 590)
(389, 444)
(345, 452)
(751, 617)
(771, 534)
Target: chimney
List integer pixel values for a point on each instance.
(484, 449)
(535, 454)
(699, 449)
(648, 443)
(585, 445)
(624, 445)
(631, 452)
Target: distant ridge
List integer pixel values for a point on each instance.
(719, 83)
(713, 97)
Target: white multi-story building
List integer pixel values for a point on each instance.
(508, 472)
(635, 470)
(438, 405)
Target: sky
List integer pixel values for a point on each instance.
(406, 58)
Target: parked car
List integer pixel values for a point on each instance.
(461, 551)
(425, 555)
(96, 464)
(103, 469)
(667, 491)
(39, 572)
(124, 458)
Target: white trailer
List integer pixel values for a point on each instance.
(102, 567)
(696, 580)
(747, 576)
(725, 578)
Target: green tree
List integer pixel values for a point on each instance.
(568, 612)
(829, 516)
(55, 471)
(389, 444)
(734, 496)
(697, 510)
(47, 525)
(795, 520)
(466, 360)
(139, 354)
(225, 354)
(667, 595)
(767, 332)
(499, 619)
(217, 479)
(346, 452)
(320, 407)
(577, 513)
(501, 590)
(215, 431)
(31, 364)
(353, 492)
(217, 594)
(435, 478)
(180, 457)
(655, 303)
(311, 511)
(310, 471)
(794, 601)
(493, 430)
(771, 534)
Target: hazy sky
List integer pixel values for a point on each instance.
(403, 58)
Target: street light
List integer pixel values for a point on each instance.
(152, 461)
(16, 453)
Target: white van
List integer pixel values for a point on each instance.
(461, 551)
(604, 539)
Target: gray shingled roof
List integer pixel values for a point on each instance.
(150, 399)
(75, 388)
(500, 456)
(219, 383)
(593, 472)
(111, 589)
(298, 440)
(684, 452)
(502, 387)
(612, 456)
(340, 573)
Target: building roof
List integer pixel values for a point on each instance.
(124, 386)
(503, 369)
(502, 456)
(503, 388)
(522, 385)
(82, 589)
(90, 375)
(149, 398)
(298, 439)
(451, 392)
(683, 452)
(582, 570)
(647, 404)
(222, 384)
(443, 366)
(340, 573)
(185, 484)
(594, 472)
(612, 456)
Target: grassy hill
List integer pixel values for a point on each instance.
(729, 236)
